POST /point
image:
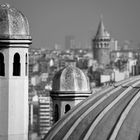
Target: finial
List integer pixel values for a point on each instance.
(101, 17)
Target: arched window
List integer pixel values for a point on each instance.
(139, 137)
(101, 45)
(56, 113)
(16, 65)
(26, 65)
(2, 65)
(67, 108)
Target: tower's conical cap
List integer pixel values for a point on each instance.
(101, 31)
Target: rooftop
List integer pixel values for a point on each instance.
(13, 24)
(101, 31)
(70, 79)
(110, 114)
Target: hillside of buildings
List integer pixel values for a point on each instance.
(44, 64)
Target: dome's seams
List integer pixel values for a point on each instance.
(71, 79)
(127, 90)
(13, 24)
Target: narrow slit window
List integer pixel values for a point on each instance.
(56, 115)
(2, 65)
(26, 65)
(16, 65)
(67, 108)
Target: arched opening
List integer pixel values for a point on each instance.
(101, 45)
(139, 137)
(2, 65)
(56, 113)
(26, 65)
(16, 65)
(67, 108)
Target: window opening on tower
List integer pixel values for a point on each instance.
(16, 65)
(2, 65)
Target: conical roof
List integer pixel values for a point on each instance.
(101, 31)
(111, 114)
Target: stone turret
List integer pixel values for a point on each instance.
(101, 45)
(14, 43)
(70, 86)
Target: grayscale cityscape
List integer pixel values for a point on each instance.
(69, 70)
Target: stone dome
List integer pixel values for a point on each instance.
(111, 114)
(13, 24)
(70, 79)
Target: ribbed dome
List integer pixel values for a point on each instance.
(70, 79)
(13, 24)
(111, 114)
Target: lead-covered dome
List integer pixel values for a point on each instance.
(13, 24)
(70, 79)
(110, 114)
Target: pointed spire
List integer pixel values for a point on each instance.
(101, 17)
(101, 29)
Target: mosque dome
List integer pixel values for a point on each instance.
(70, 79)
(13, 24)
(111, 114)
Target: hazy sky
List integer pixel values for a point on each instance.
(51, 20)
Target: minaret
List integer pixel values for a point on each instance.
(101, 45)
(14, 43)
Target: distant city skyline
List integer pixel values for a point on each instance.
(51, 20)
